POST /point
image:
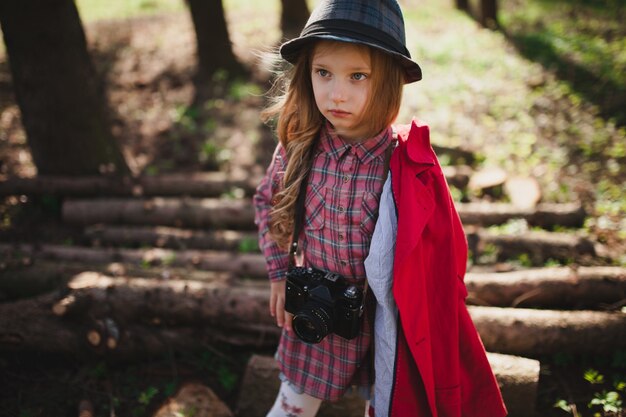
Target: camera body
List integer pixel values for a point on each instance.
(322, 303)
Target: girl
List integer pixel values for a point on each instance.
(335, 149)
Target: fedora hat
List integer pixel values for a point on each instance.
(376, 23)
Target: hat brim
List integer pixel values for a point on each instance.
(290, 51)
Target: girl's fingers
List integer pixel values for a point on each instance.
(273, 297)
(280, 311)
(288, 320)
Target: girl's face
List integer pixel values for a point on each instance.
(340, 74)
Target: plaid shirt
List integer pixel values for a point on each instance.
(341, 209)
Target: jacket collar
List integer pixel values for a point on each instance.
(416, 138)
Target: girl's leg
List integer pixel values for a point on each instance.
(367, 409)
(291, 404)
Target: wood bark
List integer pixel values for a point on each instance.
(540, 246)
(214, 48)
(239, 214)
(517, 377)
(532, 333)
(165, 237)
(61, 100)
(198, 184)
(489, 13)
(293, 17)
(179, 212)
(567, 288)
(142, 311)
(243, 265)
(545, 215)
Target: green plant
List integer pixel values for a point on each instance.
(248, 245)
(147, 395)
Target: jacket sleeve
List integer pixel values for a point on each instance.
(276, 258)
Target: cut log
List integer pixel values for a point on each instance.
(585, 287)
(192, 184)
(188, 212)
(458, 156)
(239, 214)
(457, 175)
(167, 237)
(544, 215)
(29, 326)
(532, 333)
(197, 184)
(523, 192)
(244, 265)
(243, 306)
(29, 281)
(540, 246)
(517, 377)
(197, 397)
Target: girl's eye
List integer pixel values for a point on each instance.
(322, 72)
(359, 76)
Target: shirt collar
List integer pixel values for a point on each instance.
(366, 150)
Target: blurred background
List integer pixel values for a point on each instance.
(158, 102)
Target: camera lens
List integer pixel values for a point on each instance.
(312, 323)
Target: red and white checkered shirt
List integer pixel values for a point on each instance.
(341, 210)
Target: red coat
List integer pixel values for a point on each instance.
(441, 369)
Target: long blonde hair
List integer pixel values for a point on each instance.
(298, 122)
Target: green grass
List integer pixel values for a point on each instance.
(91, 10)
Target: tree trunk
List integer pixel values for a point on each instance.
(293, 17)
(533, 333)
(243, 265)
(462, 5)
(62, 102)
(199, 184)
(544, 215)
(197, 213)
(214, 49)
(489, 13)
(164, 237)
(585, 287)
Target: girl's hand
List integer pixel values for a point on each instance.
(277, 304)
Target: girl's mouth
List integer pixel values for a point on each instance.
(339, 113)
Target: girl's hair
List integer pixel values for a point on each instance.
(299, 122)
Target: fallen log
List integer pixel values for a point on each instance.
(239, 214)
(244, 265)
(544, 215)
(517, 377)
(193, 184)
(196, 184)
(457, 155)
(540, 246)
(141, 300)
(30, 326)
(239, 314)
(532, 333)
(204, 213)
(29, 281)
(584, 287)
(167, 237)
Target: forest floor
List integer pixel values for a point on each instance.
(479, 92)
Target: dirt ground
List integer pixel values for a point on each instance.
(147, 64)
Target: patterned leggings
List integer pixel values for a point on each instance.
(291, 404)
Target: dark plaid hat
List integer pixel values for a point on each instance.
(376, 23)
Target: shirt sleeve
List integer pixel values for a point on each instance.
(276, 259)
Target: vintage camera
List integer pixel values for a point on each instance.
(322, 303)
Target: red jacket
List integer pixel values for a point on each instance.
(441, 365)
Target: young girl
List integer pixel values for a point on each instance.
(335, 144)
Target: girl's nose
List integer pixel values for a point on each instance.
(337, 93)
